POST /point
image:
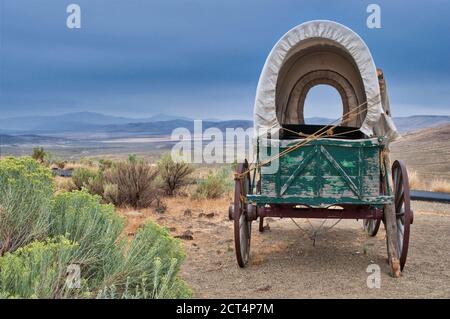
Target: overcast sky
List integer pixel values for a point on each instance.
(202, 58)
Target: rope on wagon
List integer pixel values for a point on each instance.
(384, 157)
(312, 137)
(308, 138)
(329, 131)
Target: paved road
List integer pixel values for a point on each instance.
(430, 196)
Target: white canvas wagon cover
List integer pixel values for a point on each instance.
(322, 52)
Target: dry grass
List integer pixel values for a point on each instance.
(175, 219)
(425, 151)
(64, 184)
(440, 185)
(435, 185)
(414, 181)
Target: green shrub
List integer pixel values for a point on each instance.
(38, 270)
(173, 174)
(95, 184)
(65, 184)
(136, 181)
(86, 161)
(111, 193)
(105, 164)
(39, 154)
(215, 185)
(82, 231)
(90, 179)
(81, 218)
(132, 158)
(26, 190)
(149, 269)
(82, 175)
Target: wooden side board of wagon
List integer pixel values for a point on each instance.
(323, 172)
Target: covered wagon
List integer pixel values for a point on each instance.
(336, 171)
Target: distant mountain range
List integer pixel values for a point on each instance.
(416, 122)
(73, 122)
(403, 124)
(84, 124)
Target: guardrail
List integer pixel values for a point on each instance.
(430, 196)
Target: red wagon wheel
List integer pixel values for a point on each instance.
(371, 226)
(403, 212)
(242, 222)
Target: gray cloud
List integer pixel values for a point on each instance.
(198, 57)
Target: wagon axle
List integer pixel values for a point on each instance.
(253, 212)
(332, 212)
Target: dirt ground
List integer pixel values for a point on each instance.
(285, 264)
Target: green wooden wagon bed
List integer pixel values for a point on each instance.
(336, 171)
(325, 172)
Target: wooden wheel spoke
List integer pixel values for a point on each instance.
(398, 185)
(399, 195)
(395, 178)
(402, 230)
(399, 205)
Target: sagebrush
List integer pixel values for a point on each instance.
(214, 185)
(81, 218)
(136, 181)
(88, 178)
(42, 235)
(26, 190)
(38, 270)
(174, 175)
